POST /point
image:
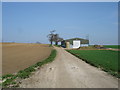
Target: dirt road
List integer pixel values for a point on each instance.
(18, 56)
(67, 71)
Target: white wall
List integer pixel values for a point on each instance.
(76, 43)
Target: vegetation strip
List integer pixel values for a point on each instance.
(112, 46)
(9, 79)
(57, 45)
(107, 60)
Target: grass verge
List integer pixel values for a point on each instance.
(9, 80)
(107, 60)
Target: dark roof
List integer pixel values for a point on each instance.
(83, 41)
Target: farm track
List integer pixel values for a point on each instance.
(16, 57)
(67, 71)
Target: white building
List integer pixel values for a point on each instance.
(75, 43)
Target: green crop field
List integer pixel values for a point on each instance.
(112, 46)
(104, 59)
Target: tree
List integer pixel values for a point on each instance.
(54, 38)
(50, 36)
(57, 39)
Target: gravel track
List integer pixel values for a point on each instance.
(67, 71)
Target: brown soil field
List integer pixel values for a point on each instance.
(0, 59)
(18, 56)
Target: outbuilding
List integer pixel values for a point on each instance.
(74, 43)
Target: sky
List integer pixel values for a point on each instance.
(29, 22)
(0, 22)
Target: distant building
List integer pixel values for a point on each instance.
(74, 43)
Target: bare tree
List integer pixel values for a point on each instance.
(50, 36)
(54, 38)
(57, 39)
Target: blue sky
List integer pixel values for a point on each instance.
(32, 21)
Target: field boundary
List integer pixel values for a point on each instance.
(13, 80)
(112, 46)
(117, 75)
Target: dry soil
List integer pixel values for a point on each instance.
(18, 56)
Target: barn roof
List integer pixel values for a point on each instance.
(83, 41)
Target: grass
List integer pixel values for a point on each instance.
(57, 45)
(112, 46)
(107, 60)
(88, 48)
(9, 81)
(7, 76)
(10, 78)
(50, 45)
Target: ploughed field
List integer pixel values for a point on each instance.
(18, 56)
